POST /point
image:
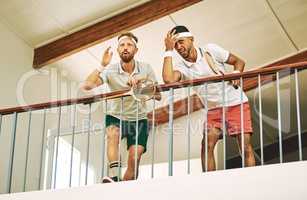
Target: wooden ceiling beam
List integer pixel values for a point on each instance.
(106, 29)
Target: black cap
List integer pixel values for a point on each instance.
(180, 29)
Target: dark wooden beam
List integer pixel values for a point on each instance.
(180, 109)
(180, 106)
(252, 83)
(106, 29)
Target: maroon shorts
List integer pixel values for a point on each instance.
(232, 119)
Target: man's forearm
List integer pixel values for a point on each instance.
(239, 65)
(93, 76)
(92, 80)
(168, 71)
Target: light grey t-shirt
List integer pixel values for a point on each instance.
(116, 78)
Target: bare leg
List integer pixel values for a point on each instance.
(213, 137)
(112, 153)
(112, 143)
(129, 175)
(249, 153)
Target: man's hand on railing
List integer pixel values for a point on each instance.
(132, 81)
(236, 83)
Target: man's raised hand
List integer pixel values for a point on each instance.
(170, 40)
(107, 56)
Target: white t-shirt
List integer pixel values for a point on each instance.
(117, 79)
(201, 69)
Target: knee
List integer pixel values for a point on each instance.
(134, 160)
(211, 144)
(112, 133)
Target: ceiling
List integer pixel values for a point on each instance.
(246, 27)
(40, 21)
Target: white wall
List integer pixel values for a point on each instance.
(21, 85)
(15, 61)
(280, 182)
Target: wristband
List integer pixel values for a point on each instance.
(101, 68)
(168, 54)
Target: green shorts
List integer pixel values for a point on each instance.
(129, 130)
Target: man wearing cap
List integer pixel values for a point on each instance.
(199, 62)
(119, 76)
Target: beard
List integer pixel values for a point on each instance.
(126, 57)
(185, 53)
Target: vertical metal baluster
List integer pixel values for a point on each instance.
(189, 132)
(42, 151)
(88, 142)
(224, 124)
(80, 172)
(206, 128)
(57, 147)
(242, 124)
(12, 151)
(72, 144)
(153, 133)
(260, 119)
(298, 112)
(120, 136)
(136, 140)
(170, 135)
(103, 137)
(27, 151)
(0, 123)
(279, 118)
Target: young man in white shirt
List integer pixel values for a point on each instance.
(119, 76)
(196, 62)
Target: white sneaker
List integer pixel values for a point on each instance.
(107, 179)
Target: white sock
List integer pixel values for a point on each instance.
(114, 168)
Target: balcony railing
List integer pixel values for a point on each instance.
(43, 109)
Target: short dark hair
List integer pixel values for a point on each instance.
(128, 34)
(180, 29)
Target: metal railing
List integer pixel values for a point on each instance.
(259, 75)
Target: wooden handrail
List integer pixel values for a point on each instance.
(161, 88)
(229, 77)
